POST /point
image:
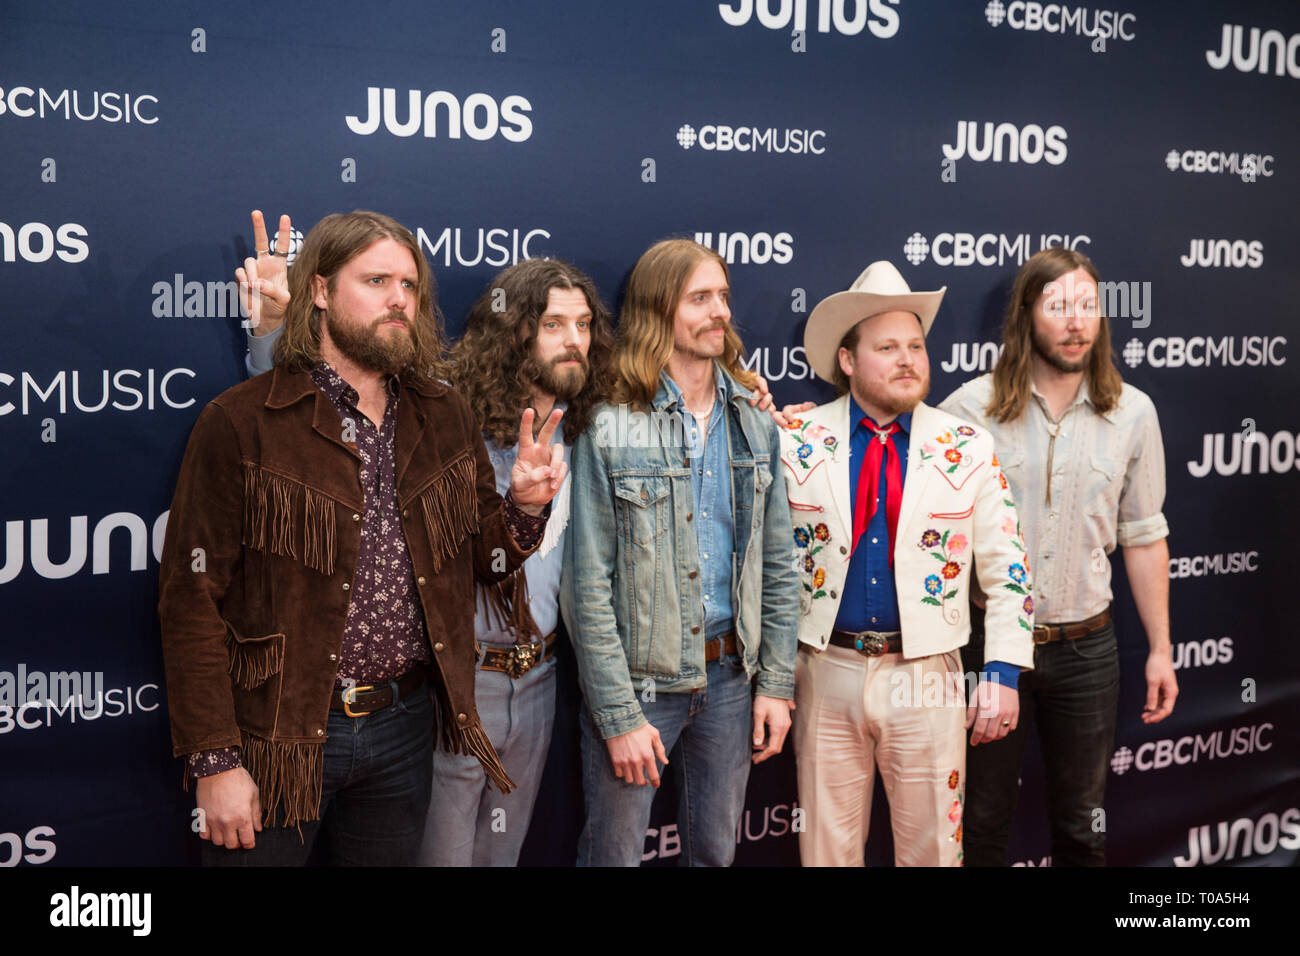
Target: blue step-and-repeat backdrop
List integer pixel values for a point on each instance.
(801, 138)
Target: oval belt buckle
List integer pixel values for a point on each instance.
(870, 643)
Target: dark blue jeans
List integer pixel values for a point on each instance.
(1072, 694)
(374, 795)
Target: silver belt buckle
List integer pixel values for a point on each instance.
(871, 643)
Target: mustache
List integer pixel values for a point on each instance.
(394, 315)
(715, 326)
(573, 355)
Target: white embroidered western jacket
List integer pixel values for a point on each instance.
(956, 513)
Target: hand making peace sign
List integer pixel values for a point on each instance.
(264, 281)
(539, 467)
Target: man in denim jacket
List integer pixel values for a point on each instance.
(678, 592)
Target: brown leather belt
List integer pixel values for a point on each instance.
(1047, 633)
(715, 647)
(869, 643)
(363, 699)
(519, 659)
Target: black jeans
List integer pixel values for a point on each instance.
(1072, 694)
(374, 794)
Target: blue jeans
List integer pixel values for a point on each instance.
(374, 794)
(707, 736)
(1072, 694)
(470, 822)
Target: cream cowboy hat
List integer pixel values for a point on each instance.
(880, 288)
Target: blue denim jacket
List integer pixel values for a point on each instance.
(631, 592)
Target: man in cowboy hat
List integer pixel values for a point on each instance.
(893, 503)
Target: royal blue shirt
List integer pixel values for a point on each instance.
(870, 601)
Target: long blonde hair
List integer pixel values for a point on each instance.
(645, 326)
(332, 243)
(1011, 379)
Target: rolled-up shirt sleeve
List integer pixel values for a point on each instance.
(1141, 520)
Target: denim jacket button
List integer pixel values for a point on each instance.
(644, 495)
(692, 575)
(695, 629)
(690, 515)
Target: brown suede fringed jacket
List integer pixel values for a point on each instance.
(257, 567)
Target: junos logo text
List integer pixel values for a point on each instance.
(1202, 653)
(1241, 838)
(743, 247)
(848, 17)
(1271, 47)
(972, 356)
(140, 536)
(39, 849)
(1281, 453)
(35, 242)
(479, 115)
(1028, 145)
(1227, 253)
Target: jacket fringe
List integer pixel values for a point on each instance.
(450, 506)
(285, 773)
(507, 602)
(270, 509)
(473, 741)
(252, 663)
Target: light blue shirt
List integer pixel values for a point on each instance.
(715, 526)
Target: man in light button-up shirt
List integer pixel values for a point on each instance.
(1083, 454)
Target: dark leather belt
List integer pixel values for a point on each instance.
(869, 643)
(715, 647)
(519, 659)
(365, 699)
(1047, 633)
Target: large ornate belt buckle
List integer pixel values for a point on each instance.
(871, 643)
(350, 697)
(523, 658)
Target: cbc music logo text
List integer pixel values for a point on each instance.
(744, 247)
(1007, 142)
(1201, 565)
(1235, 453)
(1224, 253)
(847, 17)
(114, 702)
(1216, 161)
(37, 242)
(111, 107)
(1216, 745)
(1059, 18)
(130, 390)
(754, 825)
(441, 113)
(752, 139)
(1243, 837)
(1175, 351)
(141, 539)
(985, 249)
(1248, 51)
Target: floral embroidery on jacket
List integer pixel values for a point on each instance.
(948, 443)
(945, 548)
(806, 432)
(809, 540)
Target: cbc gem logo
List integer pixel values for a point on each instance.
(995, 12)
(1134, 352)
(1121, 761)
(917, 247)
(295, 244)
(686, 136)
